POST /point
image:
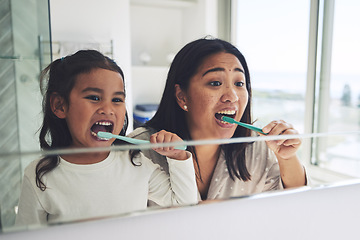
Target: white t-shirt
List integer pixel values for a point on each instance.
(112, 186)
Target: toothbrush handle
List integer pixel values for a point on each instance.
(251, 127)
(139, 141)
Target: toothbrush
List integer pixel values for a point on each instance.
(130, 140)
(248, 126)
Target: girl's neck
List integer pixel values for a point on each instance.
(85, 158)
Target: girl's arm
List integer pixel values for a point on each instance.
(180, 187)
(291, 170)
(30, 211)
(167, 137)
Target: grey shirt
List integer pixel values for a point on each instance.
(261, 163)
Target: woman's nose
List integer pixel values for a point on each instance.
(229, 94)
(106, 109)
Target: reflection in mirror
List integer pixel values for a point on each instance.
(118, 186)
(20, 98)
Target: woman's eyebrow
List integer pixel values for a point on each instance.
(219, 69)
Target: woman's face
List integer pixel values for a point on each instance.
(218, 88)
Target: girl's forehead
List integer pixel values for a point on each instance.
(100, 77)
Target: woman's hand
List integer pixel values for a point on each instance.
(167, 137)
(284, 148)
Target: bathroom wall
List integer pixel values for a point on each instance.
(24, 29)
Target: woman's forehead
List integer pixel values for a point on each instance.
(220, 60)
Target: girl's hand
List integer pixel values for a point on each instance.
(167, 137)
(285, 148)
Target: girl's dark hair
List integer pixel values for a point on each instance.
(171, 117)
(59, 77)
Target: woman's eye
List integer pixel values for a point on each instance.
(215, 83)
(239, 84)
(93, 98)
(118, 100)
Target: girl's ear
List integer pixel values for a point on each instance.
(57, 104)
(180, 97)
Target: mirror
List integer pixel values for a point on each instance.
(6, 158)
(130, 34)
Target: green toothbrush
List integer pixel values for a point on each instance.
(130, 140)
(248, 126)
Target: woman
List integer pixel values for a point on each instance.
(207, 79)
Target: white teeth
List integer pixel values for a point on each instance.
(95, 135)
(228, 112)
(104, 123)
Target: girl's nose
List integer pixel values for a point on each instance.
(229, 94)
(106, 109)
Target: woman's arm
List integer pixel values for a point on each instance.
(291, 170)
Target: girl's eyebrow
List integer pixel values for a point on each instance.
(91, 89)
(98, 90)
(219, 69)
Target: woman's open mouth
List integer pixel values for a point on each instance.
(101, 126)
(227, 113)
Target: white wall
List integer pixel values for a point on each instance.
(161, 29)
(93, 21)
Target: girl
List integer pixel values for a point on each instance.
(86, 94)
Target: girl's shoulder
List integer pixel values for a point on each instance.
(31, 167)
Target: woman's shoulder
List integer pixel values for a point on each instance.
(259, 150)
(142, 133)
(257, 146)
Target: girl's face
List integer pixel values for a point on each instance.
(96, 103)
(218, 88)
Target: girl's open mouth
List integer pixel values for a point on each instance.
(101, 126)
(227, 113)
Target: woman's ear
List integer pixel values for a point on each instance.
(57, 105)
(181, 97)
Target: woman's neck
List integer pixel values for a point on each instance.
(207, 156)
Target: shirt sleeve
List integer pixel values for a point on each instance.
(177, 188)
(273, 178)
(30, 210)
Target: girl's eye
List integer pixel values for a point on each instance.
(118, 100)
(93, 98)
(239, 84)
(215, 83)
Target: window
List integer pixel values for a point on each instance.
(274, 37)
(339, 87)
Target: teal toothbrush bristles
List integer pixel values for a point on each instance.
(245, 125)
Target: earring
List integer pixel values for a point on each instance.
(185, 107)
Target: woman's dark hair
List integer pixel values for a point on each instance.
(59, 77)
(171, 117)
